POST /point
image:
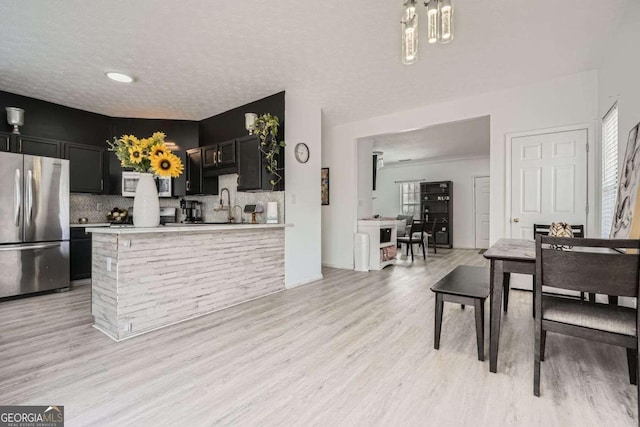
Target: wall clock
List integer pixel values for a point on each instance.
(302, 152)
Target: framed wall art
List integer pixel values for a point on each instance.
(324, 186)
(626, 219)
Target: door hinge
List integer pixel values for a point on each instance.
(587, 147)
(587, 208)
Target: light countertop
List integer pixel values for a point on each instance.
(183, 228)
(88, 225)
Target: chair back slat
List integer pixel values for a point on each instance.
(416, 227)
(543, 229)
(590, 265)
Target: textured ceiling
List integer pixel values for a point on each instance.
(196, 58)
(448, 140)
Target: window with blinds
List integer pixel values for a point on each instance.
(609, 168)
(410, 193)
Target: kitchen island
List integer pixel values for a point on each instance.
(148, 278)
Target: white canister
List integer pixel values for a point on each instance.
(272, 212)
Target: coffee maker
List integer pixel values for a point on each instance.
(191, 211)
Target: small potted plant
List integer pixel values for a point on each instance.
(266, 127)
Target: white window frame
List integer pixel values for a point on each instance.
(609, 169)
(413, 208)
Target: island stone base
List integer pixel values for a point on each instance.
(143, 282)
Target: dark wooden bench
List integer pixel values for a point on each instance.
(464, 285)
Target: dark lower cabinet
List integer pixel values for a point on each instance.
(80, 254)
(86, 168)
(252, 168)
(36, 146)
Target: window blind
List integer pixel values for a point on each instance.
(609, 169)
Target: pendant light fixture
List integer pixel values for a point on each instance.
(445, 10)
(409, 33)
(439, 26)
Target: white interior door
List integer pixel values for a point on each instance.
(548, 184)
(481, 208)
(549, 180)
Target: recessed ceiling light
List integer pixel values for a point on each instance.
(120, 77)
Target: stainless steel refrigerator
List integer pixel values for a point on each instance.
(34, 224)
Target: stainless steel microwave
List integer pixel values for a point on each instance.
(130, 182)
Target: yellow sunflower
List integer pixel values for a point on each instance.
(135, 154)
(129, 140)
(159, 149)
(158, 136)
(167, 164)
(145, 142)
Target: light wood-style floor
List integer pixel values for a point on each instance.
(352, 349)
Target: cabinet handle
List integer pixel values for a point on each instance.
(8, 146)
(215, 157)
(20, 148)
(219, 156)
(102, 185)
(188, 185)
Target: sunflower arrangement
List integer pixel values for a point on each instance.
(147, 155)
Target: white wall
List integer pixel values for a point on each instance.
(563, 101)
(387, 195)
(619, 76)
(302, 196)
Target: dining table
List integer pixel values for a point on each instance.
(513, 256)
(507, 256)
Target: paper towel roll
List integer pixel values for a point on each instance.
(272, 212)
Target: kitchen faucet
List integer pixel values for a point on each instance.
(228, 208)
(239, 207)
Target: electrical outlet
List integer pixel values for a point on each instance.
(98, 206)
(108, 264)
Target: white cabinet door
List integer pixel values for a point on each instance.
(481, 207)
(549, 180)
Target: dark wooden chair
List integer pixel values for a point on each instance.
(591, 265)
(464, 285)
(431, 235)
(543, 230)
(417, 228)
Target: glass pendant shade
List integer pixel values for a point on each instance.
(410, 34)
(446, 21)
(433, 22)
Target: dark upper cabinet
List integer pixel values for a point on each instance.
(252, 167)
(219, 159)
(5, 141)
(196, 181)
(114, 175)
(227, 153)
(193, 171)
(86, 168)
(80, 254)
(36, 146)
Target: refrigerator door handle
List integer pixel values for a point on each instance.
(17, 202)
(29, 214)
(29, 247)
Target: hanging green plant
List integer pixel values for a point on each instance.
(266, 127)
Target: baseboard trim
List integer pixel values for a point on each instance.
(303, 283)
(338, 266)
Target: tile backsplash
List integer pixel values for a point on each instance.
(95, 207)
